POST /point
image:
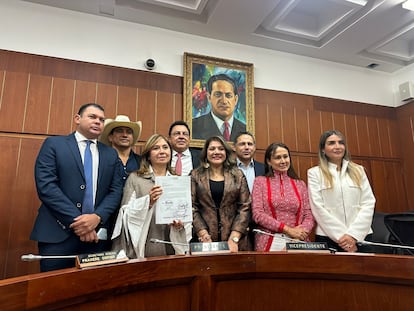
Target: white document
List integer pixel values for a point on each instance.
(175, 202)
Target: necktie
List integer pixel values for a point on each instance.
(87, 207)
(179, 164)
(226, 132)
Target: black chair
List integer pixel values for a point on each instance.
(380, 234)
(401, 227)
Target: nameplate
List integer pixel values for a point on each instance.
(98, 259)
(209, 248)
(309, 247)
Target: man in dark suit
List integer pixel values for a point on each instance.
(179, 138)
(245, 148)
(63, 226)
(223, 97)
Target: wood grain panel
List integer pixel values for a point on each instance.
(13, 101)
(327, 121)
(352, 138)
(61, 108)
(393, 134)
(363, 136)
(128, 102)
(165, 112)
(8, 168)
(178, 107)
(288, 121)
(376, 141)
(147, 112)
(302, 130)
(379, 187)
(106, 96)
(261, 113)
(315, 130)
(24, 205)
(85, 92)
(38, 104)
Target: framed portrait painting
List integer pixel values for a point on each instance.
(218, 97)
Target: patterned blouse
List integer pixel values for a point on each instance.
(285, 202)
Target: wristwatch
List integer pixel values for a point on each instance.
(235, 239)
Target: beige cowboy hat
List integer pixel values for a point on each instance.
(119, 121)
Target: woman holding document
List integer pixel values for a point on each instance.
(221, 197)
(280, 202)
(139, 198)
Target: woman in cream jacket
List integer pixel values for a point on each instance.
(340, 195)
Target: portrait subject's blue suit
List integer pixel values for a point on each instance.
(60, 185)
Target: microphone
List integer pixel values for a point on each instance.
(278, 235)
(359, 243)
(168, 242)
(31, 257)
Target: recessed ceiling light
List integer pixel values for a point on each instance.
(408, 5)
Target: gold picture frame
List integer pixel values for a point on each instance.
(199, 70)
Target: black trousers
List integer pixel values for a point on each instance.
(334, 245)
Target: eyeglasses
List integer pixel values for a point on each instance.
(178, 133)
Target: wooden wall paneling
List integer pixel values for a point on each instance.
(363, 136)
(36, 119)
(385, 138)
(303, 163)
(289, 127)
(178, 107)
(339, 122)
(351, 134)
(147, 112)
(378, 184)
(23, 209)
(405, 142)
(62, 107)
(375, 140)
(85, 92)
(165, 112)
(128, 103)
(8, 168)
(395, 187)
(302, 129)
(326, 121)
(107, 97)
(395, 147)
(2, 75)
(13, 102)
(261, 103)
(315, 130)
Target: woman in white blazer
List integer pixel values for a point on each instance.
(340, 195)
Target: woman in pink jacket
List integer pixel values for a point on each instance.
(280, 202)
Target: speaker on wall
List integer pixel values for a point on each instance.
(406, 91)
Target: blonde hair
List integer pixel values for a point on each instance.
(145, 161)
(353, 169)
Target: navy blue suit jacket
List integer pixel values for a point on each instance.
(259, 169)
(204, 127)
(60, 185)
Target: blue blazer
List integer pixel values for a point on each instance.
(259, 169)
(60, 184)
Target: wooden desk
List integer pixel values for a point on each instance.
(244, 281)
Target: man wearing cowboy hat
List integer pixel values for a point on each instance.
(122, 134)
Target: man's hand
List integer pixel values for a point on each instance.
(90, 237)
(85, 224)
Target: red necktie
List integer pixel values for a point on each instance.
(179, 164)
(226, 132)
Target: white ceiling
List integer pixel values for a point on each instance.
(379, 33)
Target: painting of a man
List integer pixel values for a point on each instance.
(223, 96)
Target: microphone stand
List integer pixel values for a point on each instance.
(168, 242)
(31, 257)
(409, 248)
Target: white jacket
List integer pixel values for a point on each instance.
(132, 225)
(343, 209)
